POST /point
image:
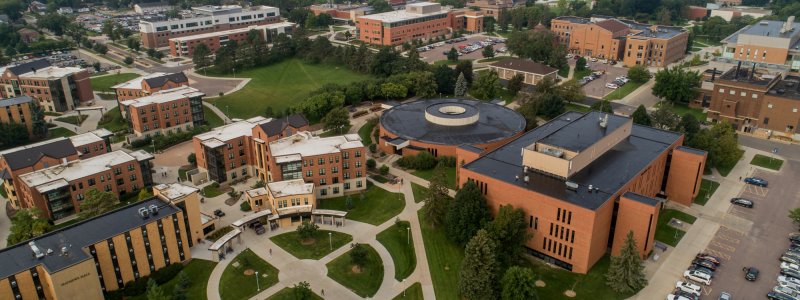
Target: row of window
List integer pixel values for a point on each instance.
(556, 248)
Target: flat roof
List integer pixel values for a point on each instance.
(641, 198)
(401, 15)
(290, 188)
(759, 76)
(57, 176)
(607, 174)
(174, 191)
(88, 138)
(771, 28)
(219, 135)
(164, 96)
(20, 257)
(584, 132)
(15, 101)
(231, 31)
(305, 144)
(51, 72)
(788, 88)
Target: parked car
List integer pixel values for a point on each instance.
(697, 276)
(725, 296)
(604, 61)
(219, 213)
(702, 270)
(708, 257)
(688, 287)
(684, 295)
(789, 259)
(613, 62)
(788, 279)
(779, 296)
(790, 273)
(790, 266)
(794, 238)
(792, 286)
(583, 81)
(598, 73)
(750, 273)
(676, 297)
(742, 202)
(569, 55)
(756, 181)
(786, 291)
(260, 229)
(612, 86)
(704, 263)
(594, 59)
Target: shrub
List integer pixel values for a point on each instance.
(384, 170)
(448, 161)
(373, 148)
(371, 164)
(245, 206)
(139, 286)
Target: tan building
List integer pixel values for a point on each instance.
(419, 21)
(288, 201)
(186, 198)
(491, 8)
(771, 44)
(184, 46)
(341, 12)
(532, 71)
(148, 84)
(17, 110)
(56, 89)
(165, 111)
(100, 254)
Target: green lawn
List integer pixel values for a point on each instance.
(493, 59)
(60, 132)
(578, 108)
(288, 294)
(377, 207)
(725, 170)
(420, 192)
(707, 189)
(444, 260)
(445, 62)
(586, 286)
(623, 91)
(212, 118)
(104, 83)
(365, 133)
(280, 86)
(74, 120)
(707, 41)
(450, 174)
(211, 190)
(414, 292)
(199, 270)
(113, 121)
(577, 75)
(668, 234)
(400, 245)
(767, 162)
(234, 284)
(682, 109)
(364, 283)
(290, 242)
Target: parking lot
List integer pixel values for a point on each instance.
(597, 88)
(437, 54)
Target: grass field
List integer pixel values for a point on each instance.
(74, 120)
(450, 174)
(377, 207)
(414, 292)
(575, 107)
(725, 170)
(365, 133)
(281, 85)
(589, 286)
(400, 245)
(288, 294)
(211, 190)
(444, 260)
(235, 285)
(420, 192)
(212, 119)
(623, 91)
(668, 234)
(104, 83)
(290, 242)
(199, 270)
(767, 162)
(707, 189)
(59, 132)
(364, 283)
(682, 109)
(113, 121)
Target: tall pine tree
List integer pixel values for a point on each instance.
(626, 274)
(479, 268)
(461, 86)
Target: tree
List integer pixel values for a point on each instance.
(302, 291)
(144, 194)
(550, 105)
(96, 66)
(518, 283)
(13, 134)
(307, 230)
(676, 85)
(201, 57)
(503, 19)
(358, 256)
(479, 268)
(538, 46)
(664, 118)
(639, 74)
(445, 79)
(510, 232)
(486, 85)
(179, 291)
(467, 214)
(461, 86)
(626, 273)
(133, 44)
(603, 106)
(128, 60)
(393, 91)
(580, 64)
(413, 61)
(452, 55)
(720, 143)
(488, 51)
(100, 48)
(515, 84)
(571, 91)
(386, 62)
(465, 67)
(338, 118)
(40, 128)
(97, 203)
(154, 292)
(380, 6)
(438, 199)
(488, 24)
(192, 159)
(794, 214)
(529, 108)
(641, 117)
(689, 126)
(27, 224)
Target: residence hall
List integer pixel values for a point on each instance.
(56, 89)
(17, 110)
(288, 203)
(585, 181)
(59, 190)
(757, 101)
(341, 12)
(165, 111)
(418, 21)
(25, 159)
(623, 40)
(533, 72)
(771, 44)
(103, 253)
(147, 84)
(237, 150)
(205, 19)
(184, 46)
(491, 8)
(440, 126)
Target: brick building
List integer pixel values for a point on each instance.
(533, 72)
(341, 12)
(584, 181)
(184, 46)
(205, 19)
(622, 40)
(58, 190)
(56, 89)
(771, 44)
(419, 21)
(165, 111)
(145, 85)
(103, 253)
(491, 8)
(17, 110)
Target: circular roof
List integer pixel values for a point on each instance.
(452, 121)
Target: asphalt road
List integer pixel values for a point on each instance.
(788, 151)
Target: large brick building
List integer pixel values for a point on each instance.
(205, 19)
(59, 190)
(165, 111)
(419, 21)
(491, 8)
(145, 85)
(184, 46)
(622, 40)
(103, 253)
(17, 110)
(584, 181)
(773, 44)
(56, 89)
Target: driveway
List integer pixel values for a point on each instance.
(597, 88)
(438, 54)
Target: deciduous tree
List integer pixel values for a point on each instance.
(488, 51)
(641, 117)
(510, 232)
(467, 214)
(551, 105)
(452, 55)
(479, 268)
(307, 230)
(27, 224)
(639, 74)
(486, 85)
(438, 199)
(518, 283)
(626, 273)
(602, 106)
(676, 85)
(445, 79)
(515, 84)
(302, 291)
(97, 203)
(337, 119)
(664, 118)
(358, 256)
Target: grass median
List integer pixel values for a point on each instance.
(400, 245)
(315, 248)
(767, 162)
(376, 207)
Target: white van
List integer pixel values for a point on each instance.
(698, 277)
(688, 287)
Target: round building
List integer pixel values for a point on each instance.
(439, 126)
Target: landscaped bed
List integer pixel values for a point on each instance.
(767, 162)
(314, 248)
(376, 207)
(364, 281)
(400, 245)
(238, 280)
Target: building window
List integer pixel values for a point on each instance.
(359, 184)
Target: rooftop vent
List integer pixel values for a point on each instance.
(36, 251)
(144, 212)
(526, 179)
(604, 121)
(571, 185)
(590, 188)
(153, 209)
(553, 152)
(64, 251)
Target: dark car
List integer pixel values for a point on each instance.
(702, 270)
(708, 257)
(756, 181)
(259, 229)
(704, 263)
(790, 273)
(751, 274)
(742, 202)
(219, 213)
(779, 296)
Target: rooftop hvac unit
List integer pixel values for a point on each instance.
(153, 209)
(590, 188)
(144, 213)
(36, 251)
(571, 185)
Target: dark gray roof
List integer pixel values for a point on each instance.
(524, 65)
(471, 148)
(276, 126)
(572, 19)
(641, 198)
(15, 101)
(20, 257)
(29, 66)
(787, 88)
(161, 80)
(692, 150)
(607, 174)
(27, 156)
(495, 123)
(584, 131)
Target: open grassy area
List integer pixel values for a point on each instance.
(377, 206)
(589, 286)
(575, 107)
(623, 91)
(280, 86)
(725, 170)
(767, 162)
(288, 294)
(365, 132)
(366, 281)
(414, 292)
(682, 109)
(199, 270)
(420, 192)
(668, 234)
(450, 174)
(577, 75)
(211, 190)
(59, 132)
(104, 83)
(317, 249)
(707, 189)
(74, 120)
(400, 245)
(235, 284)
(113, 121)
(444, 260)
(212, 119)
(707, 41)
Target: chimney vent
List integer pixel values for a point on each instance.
(526, 179)
(153, 209)
(144, 213)
(36, 251)
(590, 188)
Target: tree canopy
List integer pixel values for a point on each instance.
(518, 284)
(478, 275)
(467, 214)
(97, 203)
(510, 232)
(676, 84)
(438, 199)
(626, 273)
(27, 224)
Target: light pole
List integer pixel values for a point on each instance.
(227, 111)
(258, 285)
(154, 145)
(408, 235)
(330, 240)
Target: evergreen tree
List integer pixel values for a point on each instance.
(154, 292)
(515, 84)
(626, 273)
(479, 268)
(641, 117)
(438, 199)
(179, 291)
(510, 232)
(518, 284)
(39, 125)
(465, 67)
(452, 55)
(488, 51)
(689, 126)
(467, 214)
(461, 86)
(445, 79)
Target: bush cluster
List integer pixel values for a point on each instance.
(139, 286)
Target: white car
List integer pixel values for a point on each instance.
(788, 279)
(688, 287)
(594, 59)
(697, 276)
(569, 55)
(676, 297)
(612, 86)
(790, 266)
(604, 61)
(785, 290)
(792, 286)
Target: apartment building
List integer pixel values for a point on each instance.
(17, 110)
(103, 253)
(288, 200)
(584, 182)
(533, 72)
(418, 21)
(56, 89)
(184, 46)
(145, 85)
(491, 8)
(165, 111)
(342, 12)
(622, 40)
(58, 190)
(770, 44)
(25, 159)
(237, 150)
(205, 19)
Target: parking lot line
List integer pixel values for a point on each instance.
(723, 246)
(719, 254)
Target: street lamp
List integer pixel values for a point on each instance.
(330, 240)
(258, 285)
(408, 235)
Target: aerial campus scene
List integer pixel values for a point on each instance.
(400, 149)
